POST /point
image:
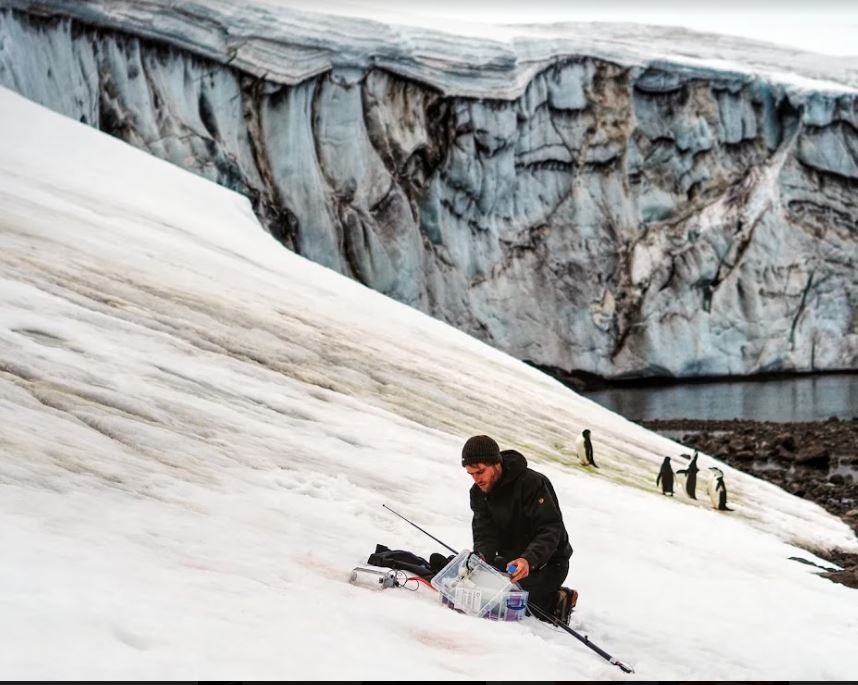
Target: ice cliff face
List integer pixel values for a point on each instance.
(580, 206)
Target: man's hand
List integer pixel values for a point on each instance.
(522, 569)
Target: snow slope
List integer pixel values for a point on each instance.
(200, 428)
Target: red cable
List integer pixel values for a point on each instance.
(421, 580)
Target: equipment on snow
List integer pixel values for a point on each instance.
(585, 639)
(471, 586)
(402, 560)
(385, 579)
(533, 608)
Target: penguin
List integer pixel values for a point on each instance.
(691, 477)
(717, 490)
(665, 476)
(585, 449)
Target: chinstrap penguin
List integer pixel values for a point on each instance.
(584, 447)
(690, 473)
(665, 477)
(718, 490)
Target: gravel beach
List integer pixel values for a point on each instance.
(815, 460)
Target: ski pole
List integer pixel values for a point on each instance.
(536, 610)
(421, 530)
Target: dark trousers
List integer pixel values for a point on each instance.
(542, 586)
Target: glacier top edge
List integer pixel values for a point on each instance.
(270, 40)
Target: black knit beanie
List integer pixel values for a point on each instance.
(480, 449)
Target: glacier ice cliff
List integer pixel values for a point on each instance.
(567, 194)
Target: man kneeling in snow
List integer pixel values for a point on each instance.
(517, 521)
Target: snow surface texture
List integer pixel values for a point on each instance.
(200, 428)
(616, 200)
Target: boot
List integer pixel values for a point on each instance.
(567, 598)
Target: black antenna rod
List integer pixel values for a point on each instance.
(421, 530)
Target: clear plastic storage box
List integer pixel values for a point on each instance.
(470, 585)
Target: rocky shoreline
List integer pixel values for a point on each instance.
(814, 460)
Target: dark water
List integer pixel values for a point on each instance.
(804, 398)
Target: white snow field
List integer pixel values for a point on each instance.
(199, 429)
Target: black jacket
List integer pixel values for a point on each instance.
(519, 517)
